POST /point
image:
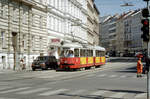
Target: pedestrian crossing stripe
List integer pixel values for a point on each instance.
(14, 90)
(118, 95)
(4, 88)
(99, 92)
(112, 76)
(6, 98)
(48, 93)
(141, 95)
(102, 75)
(76, 92)
(33, 91)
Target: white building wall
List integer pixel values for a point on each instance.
(66, 20)
(18, 17)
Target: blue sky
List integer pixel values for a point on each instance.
(111, 7)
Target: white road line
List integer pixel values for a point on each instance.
(4, 87)
(123, 76)
(53, 92)
(141, 96)
(33, 91)
(48, 76)
(112, 76)
(90, 75)
(99, 92)
(118, 95)
(14, 90)
(76, 92)
(101, 75)
(6, 98)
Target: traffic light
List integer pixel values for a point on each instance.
(145, 30)
(145, 12)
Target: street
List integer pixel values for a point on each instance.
(115, 80)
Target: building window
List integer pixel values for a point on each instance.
(24, 17)
(24, 44)
(33, 19)
(33, 42)
(2, 10)
(41, 22)
(41, 43)
(3, 39)
(14, 14)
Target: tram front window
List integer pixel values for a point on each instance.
(67, 53)
(70, 53)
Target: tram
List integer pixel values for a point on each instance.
(75, 56)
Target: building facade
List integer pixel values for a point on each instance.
(92, 23)
(104, 31)
(23, 32)
(66, 22)
(30, 28)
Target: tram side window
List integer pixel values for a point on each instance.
(91, 52)
(76, 52)
(102, 53)
(82, 53)
(87, 53)
(97, 54)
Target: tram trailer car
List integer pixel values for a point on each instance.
(77, 57)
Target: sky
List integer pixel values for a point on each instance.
(111, 7)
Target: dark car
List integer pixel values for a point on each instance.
(45, 62)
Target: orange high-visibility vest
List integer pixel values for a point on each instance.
(139, 66)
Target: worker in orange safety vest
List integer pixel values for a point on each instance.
(139, 68)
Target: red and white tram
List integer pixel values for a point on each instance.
(75, 56)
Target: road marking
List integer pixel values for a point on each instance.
(13, 90)
(118, 95)
(33, 91)
(123, 76)
(90, 75)
(142, 95)
(99, 92)
(102, 75)
(53, 92)
(112, 76)
(6, 98)
(4, 87)
(76, 92)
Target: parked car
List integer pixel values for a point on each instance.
(45, 62)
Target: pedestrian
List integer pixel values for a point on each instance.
(22, 64)
(139, 68)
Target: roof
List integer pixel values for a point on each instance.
(72, 45)
(99, 48)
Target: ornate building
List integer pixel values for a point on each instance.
(23, 32)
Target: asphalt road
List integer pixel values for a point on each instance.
(115, 80)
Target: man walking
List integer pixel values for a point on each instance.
(139, 68)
